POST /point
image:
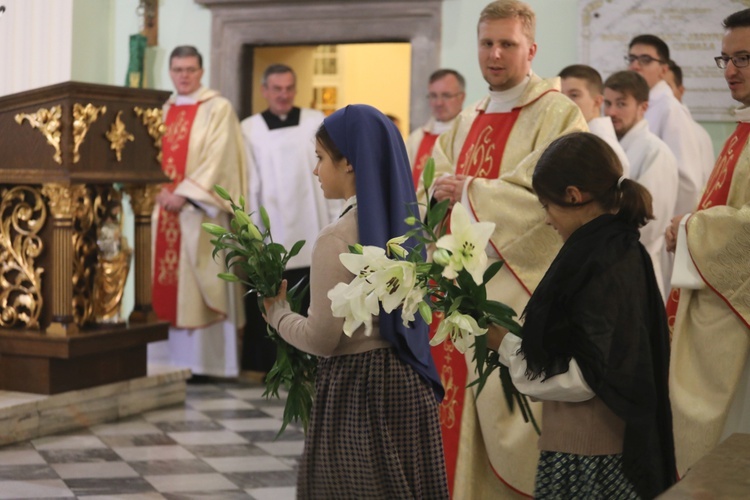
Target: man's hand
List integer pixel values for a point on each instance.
(671, 233)
(495, 335)
(450, 187)
(169, 201)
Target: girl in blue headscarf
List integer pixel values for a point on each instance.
(374, 431)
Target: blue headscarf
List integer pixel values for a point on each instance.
(385, 197)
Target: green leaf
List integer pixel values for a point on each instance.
(296, 248)
(491, 271)
(428, 175)
(223, 193)
(436, 213)
(228, 277)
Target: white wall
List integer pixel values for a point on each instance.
(35, 44)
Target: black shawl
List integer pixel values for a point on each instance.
(599, 303)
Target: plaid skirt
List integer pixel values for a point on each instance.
(374, 432)
(565, 476)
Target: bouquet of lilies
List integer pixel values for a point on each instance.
(253, 258)
(453, 283)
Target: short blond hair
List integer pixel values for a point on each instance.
(507, 9)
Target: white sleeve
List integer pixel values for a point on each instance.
(569, 387)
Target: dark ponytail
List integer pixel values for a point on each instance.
(636, 205)
(585, 161)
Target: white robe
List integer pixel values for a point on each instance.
(602, 127)
(215, 155)
(706, 145)
(653, 165)
(670, 122)
(281, 163)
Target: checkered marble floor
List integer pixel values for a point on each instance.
(219, 444)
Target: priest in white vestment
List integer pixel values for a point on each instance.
(280, 147)
(652, 163)
(491, 452)
(709, 373)
(583, 85)
(202, 147)
(445, 95)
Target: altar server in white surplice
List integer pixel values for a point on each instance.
(673, 78)
(648, 55)
(281, 156)
(583, 85)
(201, 147)
(652, 163)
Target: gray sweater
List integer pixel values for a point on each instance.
(321, 333)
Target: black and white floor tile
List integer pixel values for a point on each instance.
(219, 444)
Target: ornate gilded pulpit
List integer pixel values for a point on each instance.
(67, 154)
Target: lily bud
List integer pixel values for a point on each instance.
(254, 232)
(394, 247)
(411, 221)
(426, 312)
(442, 257)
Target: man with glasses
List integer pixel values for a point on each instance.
(488, 158)
(445, 95)
(201, 147)
(709, 377)
(649, 56)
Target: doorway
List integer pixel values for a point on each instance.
(330, 77)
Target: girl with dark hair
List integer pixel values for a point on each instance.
(595, 345)
(374, 430)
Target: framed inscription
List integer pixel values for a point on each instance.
(691, 28)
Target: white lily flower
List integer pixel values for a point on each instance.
(394, 247)
(460, 327)
(355, 304)
(371, 260)
(412, 302)
(394, 282)
(467, 243)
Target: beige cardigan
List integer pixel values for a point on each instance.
(320, 333)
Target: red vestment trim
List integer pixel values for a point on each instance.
(716, 194)
(175, 142)
(480, 156)
(423, 154)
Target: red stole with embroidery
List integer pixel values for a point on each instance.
(716, 194)
(480, 156)
(423, 154)
(175, 142)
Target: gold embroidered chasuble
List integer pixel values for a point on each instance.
(215, 156)
(711, 338)
(497, 449)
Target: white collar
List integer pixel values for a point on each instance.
(633, 133)
(188, 99)
(348, 205)
(742, 114)
(502, 101)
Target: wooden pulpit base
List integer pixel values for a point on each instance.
(42, 364)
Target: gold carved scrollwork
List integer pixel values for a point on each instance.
(84, 254)
(48, 123)
(23, 215)
(83, 117)
(152, 119)
(143, 198)
(118, 136)
(62, 198)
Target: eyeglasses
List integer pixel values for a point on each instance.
(643, 59)
(189, 71)
(442, 97)
(738, 61)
